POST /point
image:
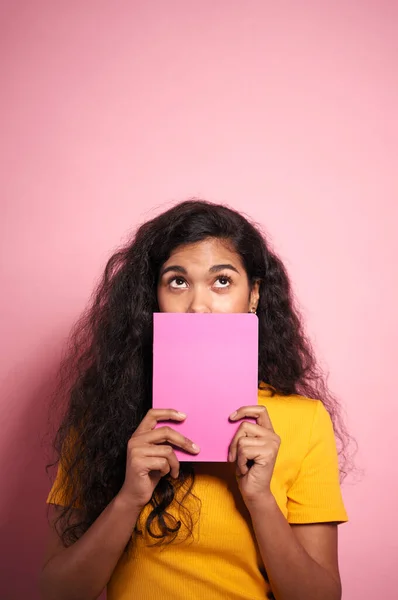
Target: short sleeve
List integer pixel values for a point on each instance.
(61, 491)
(315, 494)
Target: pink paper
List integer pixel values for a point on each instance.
(206, 366)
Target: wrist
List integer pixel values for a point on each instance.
(126, 503)
(264, 504)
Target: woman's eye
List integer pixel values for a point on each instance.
(222, 282)
(178, 282)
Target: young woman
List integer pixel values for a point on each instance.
(126, 515)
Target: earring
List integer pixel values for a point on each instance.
(253, 310)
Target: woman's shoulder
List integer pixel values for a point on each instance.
(292, 403)
(305, 428)
(294, 413)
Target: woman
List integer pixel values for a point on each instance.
(125, 514)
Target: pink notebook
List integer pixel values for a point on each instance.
(206, 366)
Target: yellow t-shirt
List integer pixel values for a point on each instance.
(222, 560)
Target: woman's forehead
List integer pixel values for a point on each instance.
(205, 251)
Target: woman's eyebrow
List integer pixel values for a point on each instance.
(217, 268)
(175, 268)
(183, 271)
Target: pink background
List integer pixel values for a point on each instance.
(286, 110)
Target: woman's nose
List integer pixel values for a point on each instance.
(200, 302)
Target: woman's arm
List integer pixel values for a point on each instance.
(81, 571)
(301, 560)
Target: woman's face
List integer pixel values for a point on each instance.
(206, 277)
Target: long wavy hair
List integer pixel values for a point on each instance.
(105, 378)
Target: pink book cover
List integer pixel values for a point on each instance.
(206, 366)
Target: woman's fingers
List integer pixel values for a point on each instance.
(159, 464)
(146, 432)
(246, 429)
(155, 415)
(151, 449)
(163, 435)
(158, 451)
(259, 413)
(171, 436)
(260, 450)
(254, 451)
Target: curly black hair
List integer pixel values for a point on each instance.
(106, 375)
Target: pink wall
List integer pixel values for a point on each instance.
(286, 110)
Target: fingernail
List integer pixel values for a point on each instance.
(195, 448)
(233, 415)
(182, 415)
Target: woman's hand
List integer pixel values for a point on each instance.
(259, 444)
(150, 455)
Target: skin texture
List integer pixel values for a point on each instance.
(301, 561)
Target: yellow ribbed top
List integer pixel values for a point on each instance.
(221, 560)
